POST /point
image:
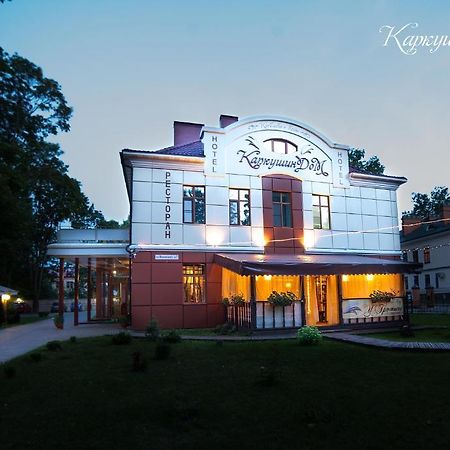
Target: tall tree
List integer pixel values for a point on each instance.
(426, 206)
(37, 192)
(372, 166)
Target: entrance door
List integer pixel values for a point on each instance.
(321, 285)
(321, 300)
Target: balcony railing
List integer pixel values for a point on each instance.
(94, 235)
(265, 316)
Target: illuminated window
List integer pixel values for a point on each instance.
(426, 255)
(239, 207)
(194, 283)
(194, 204)
(282, 215)
(280, 146)
(321, 212)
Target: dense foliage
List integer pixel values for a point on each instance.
(36, 192)
(371, 166)
(428, 205)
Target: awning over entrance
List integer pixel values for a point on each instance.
(251, 264)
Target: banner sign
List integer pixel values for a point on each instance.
(365, 308)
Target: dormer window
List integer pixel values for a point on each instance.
(280, 146)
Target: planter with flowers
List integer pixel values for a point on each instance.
(382, 296)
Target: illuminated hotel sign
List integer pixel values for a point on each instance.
(244, 151)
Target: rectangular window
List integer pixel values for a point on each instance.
(239, 207)
(405, 256)
(416, 281)
(282, 215)
(427, 280)
(321, 212)
(415, 256)
(426, 255)
(194, 283)
(194, 204)
(436, 280)
(406, 283)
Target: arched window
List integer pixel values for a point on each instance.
(280, 146)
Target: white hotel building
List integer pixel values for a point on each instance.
(253, 206)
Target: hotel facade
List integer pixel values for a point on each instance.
(256, 205)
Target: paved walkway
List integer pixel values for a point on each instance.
(392, 345)
(15, 341)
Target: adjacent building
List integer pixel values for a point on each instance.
(428, 242)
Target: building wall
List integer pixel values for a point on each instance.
(157, 291)
(363, 219)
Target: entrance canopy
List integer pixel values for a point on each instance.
(251, 264)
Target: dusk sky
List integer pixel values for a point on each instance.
(130, 68)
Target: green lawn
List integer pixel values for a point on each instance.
(424, 319)
(24, 320)
(210, 396)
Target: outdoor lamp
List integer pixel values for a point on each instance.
(5, 298)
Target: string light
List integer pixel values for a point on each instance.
(343, 233)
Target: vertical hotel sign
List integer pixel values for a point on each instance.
(215, 161)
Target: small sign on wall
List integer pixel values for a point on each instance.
(167, 257)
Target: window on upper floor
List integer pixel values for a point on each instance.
(282, 211)
(426, 255)
(406, 283)
(321, 212)
(427, 280)
(415, 255)
(194, 283)
(405, 256)
(239, 207)
(416, 281)
(280, 146)
(194, 204)
(436, 280)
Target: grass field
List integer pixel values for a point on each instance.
(24, 320)
(221, 396)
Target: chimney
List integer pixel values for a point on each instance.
(186, 132)
(409, 221)
(225, 120)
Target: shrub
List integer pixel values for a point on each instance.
(122, 338)
(36, 356)
(58, 321)
(234, 300)
(73, 339)
(406, 331)
(152, 332)
(309, 335)
(123, 321)
(224, 329)
(171, 337)
(139, 363)
(13, 316)
(267, 376)
(53, 346)
(9, 371)
(162, 350)
(281, 298)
